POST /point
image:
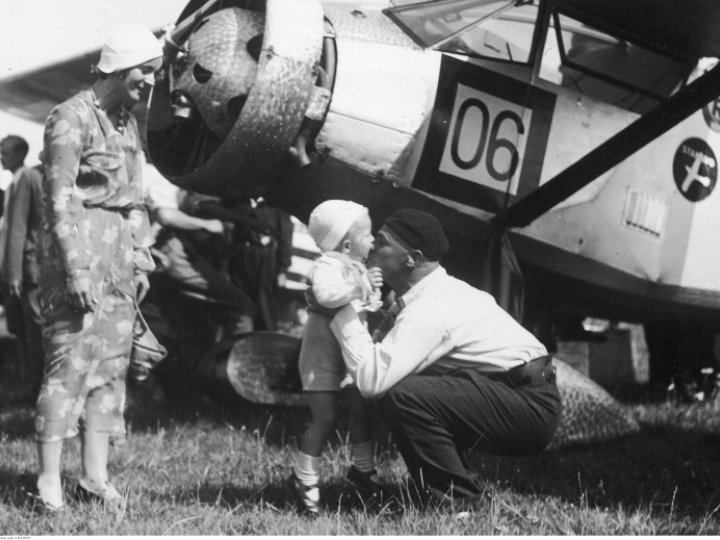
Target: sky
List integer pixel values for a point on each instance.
(38, 33)
(35, 33)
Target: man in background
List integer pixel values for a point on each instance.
(261, 252)
(191, 303)
(24, 208)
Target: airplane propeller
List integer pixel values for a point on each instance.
(251, 78)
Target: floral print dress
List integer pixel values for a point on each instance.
(97, 230)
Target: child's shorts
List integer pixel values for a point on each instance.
(321, 365)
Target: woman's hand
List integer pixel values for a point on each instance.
(375, 277)
(81, 294)
(142, 285)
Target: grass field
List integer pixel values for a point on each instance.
(213, 471)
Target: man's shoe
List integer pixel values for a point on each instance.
(371, 490)
(308, 497)
(368, 480)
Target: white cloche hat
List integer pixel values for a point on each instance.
(128, 46)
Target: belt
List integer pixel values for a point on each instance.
(537, 370)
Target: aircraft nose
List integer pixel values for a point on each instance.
(258, 126)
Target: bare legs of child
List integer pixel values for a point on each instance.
(323, 408)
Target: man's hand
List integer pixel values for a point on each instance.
(380, 323)
(214, 226)
(315, 307)
(81, 294)
(281, 279)
(142, 285)
(15, 289)
(375, 277)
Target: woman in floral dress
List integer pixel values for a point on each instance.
(94, 257)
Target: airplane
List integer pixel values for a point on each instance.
(579, 170)
(584, 130)
(580, 130)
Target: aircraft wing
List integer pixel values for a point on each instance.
(33, 95)
(47, 47)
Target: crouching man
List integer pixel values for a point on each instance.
(455, 373)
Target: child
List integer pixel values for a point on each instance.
(341, 230)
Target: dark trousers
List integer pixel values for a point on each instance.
(434, 420)
(190, 306)
(254, 270)
(23, 320)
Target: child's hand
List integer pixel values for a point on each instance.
(375, 277)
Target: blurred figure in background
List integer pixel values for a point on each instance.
(18, 263)
(192, 303)
(261, 257)
(683, 364)
(261, 250)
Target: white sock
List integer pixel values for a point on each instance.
(307, 469)
(363, 456)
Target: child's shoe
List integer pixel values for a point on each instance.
(308, 497)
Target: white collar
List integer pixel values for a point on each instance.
(18, 173)
(416, 290)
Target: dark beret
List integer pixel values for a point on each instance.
(419, 230)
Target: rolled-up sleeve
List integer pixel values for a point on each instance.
(411, 345)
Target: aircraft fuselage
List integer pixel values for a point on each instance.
(465, 137)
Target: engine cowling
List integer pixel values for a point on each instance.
(219, 70)
(232, 105)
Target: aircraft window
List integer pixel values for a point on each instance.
(603, 67)
(496, 29)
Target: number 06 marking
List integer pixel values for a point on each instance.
(493, 145)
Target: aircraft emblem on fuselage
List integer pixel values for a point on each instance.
(695, 169)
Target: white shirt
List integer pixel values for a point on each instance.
(445, 323)
(158, 192)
